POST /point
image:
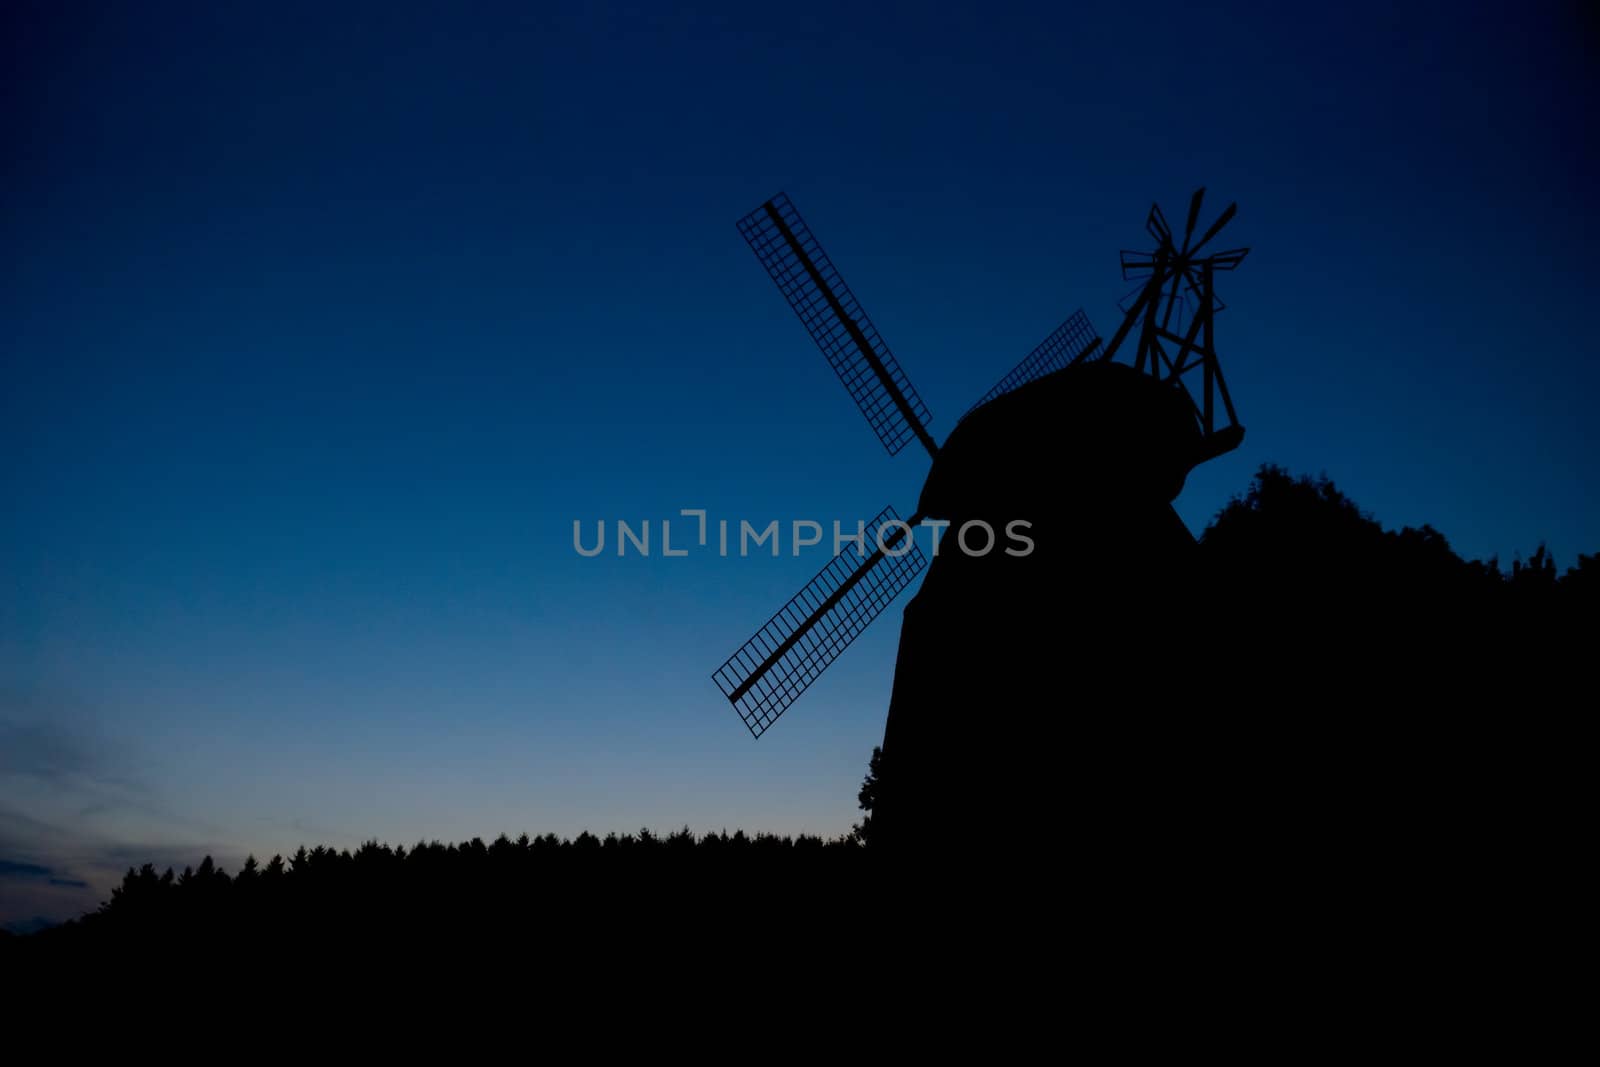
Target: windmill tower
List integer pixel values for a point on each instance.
(1088, 451)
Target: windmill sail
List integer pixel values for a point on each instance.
(1072, 341)
(832, 315)
(783, 658)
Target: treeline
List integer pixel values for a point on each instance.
(563, 884)
(1299, 532)
(1303, 585)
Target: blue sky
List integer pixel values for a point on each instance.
(322, 327)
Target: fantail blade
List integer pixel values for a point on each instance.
(1216, 227)
(1194, 215)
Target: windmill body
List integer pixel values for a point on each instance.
(1007, 661)
(1014, 673)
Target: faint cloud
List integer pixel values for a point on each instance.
(76, 814)
(50, 737)
(30, 890)
(12, 869)
(39, 872)
(47, 750)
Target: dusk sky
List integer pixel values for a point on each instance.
(323, 323)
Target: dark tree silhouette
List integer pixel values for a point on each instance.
(868, 795)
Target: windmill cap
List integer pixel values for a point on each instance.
(1100, 431)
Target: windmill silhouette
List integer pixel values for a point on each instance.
(1149, 422)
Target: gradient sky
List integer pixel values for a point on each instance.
(322, 326)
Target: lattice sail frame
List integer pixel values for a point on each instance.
(1074, 341)
(783, 658)
(833, 316)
